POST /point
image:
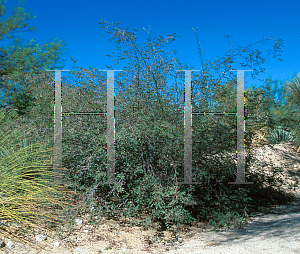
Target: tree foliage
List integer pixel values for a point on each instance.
(19, 58)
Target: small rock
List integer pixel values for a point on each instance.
(2, 244)
(56, 244)
(85, 231)
(78, 221)
(179, 239)
(3, 222)
(211, 243)
(40, 237)
(10, 245)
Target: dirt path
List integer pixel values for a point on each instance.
(277, 231)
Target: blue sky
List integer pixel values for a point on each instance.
(77, 23)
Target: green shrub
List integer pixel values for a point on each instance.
(149, 145)
(147, 169)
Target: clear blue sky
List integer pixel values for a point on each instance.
(77, 23)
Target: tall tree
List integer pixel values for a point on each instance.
(18, 58)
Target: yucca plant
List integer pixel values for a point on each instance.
(293, 88)
(279, 135)
(28, 194)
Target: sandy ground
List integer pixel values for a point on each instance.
(277, 232)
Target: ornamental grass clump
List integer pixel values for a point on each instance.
(27, 191)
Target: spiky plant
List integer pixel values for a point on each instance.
(279, 135)
(293, 88)
(28, 194)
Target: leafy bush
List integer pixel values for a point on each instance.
(149, 145)
(147, 169)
